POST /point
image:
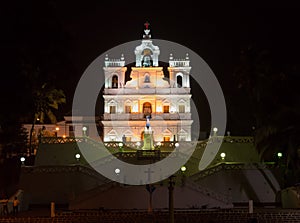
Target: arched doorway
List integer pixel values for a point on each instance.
(147, 109)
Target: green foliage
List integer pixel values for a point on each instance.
(47, 99)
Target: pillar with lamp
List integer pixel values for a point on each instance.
(84, 131)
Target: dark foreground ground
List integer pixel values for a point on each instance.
(262, 215)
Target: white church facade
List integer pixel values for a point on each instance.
(165, 99)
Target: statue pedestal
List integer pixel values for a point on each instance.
(148, 139)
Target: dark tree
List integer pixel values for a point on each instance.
(268, 82)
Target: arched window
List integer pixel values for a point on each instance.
(179, 81)
(147, 78)
(115, 81)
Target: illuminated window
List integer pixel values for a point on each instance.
(127, 109)
(112, 109)
(181, 108)
(166, 108)
(128, 139)
(166, 138)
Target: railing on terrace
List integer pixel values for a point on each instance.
(232, 166)
(65, 169)
(206, 191)
(164, 144)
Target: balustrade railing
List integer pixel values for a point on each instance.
(158, 145)
(65, 169)
(231, 166)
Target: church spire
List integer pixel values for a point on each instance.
(147, 34)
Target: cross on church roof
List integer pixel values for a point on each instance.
(147, 24)
(147, 31)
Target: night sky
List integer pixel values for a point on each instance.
(63, 37)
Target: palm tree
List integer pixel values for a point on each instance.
(46, 100)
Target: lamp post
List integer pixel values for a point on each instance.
(223, 155)
(150, 188)
(22, 159)
(121, 147)
(56, 131)
(84, 129)
(183, 179)
(77, 156)
(215, 130)
(176, 146)
(171, 198)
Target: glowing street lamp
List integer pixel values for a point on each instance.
(22, 159)
(56, 130)
(77, 156)
(117, 171)
(183, 169)
(121, 146)
(223, 155)
(84, 129)
(279, 155)
(215, 130)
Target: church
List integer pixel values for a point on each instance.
(162, 94)
(165, 99)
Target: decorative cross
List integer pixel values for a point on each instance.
(149, 174)
(146, 25)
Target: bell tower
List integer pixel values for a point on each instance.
(146, 54)
(114, 72)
